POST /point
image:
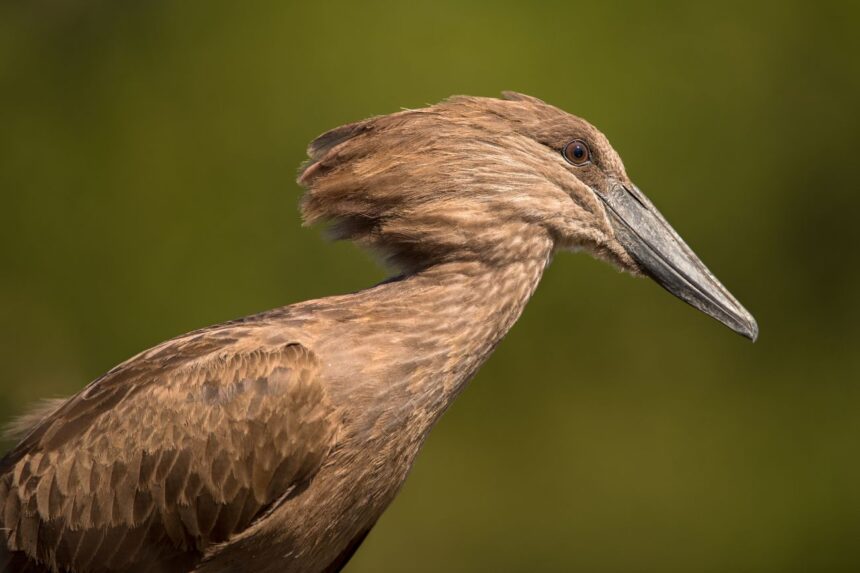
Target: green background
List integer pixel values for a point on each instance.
(148, 152)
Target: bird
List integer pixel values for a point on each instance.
(275, 442)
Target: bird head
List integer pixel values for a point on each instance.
(496, 180)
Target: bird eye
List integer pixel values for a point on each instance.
(577, 152)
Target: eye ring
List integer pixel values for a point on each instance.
(577, 153)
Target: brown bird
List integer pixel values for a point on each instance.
(275, 442)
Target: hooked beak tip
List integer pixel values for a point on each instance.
(750, 329)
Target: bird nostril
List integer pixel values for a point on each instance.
(634, 195)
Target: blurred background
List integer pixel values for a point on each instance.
(148, 152)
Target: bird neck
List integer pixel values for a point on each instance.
(428, 333)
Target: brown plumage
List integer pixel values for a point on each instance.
(275, 442)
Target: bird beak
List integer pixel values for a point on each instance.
(665, 257)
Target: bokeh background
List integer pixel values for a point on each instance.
(148, 152)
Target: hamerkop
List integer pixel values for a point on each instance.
(275, 442)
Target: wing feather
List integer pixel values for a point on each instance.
(164, 456)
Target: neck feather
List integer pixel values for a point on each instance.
(408, 346)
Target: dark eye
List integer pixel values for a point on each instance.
(577, 152)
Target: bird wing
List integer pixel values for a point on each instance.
(168, 453)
